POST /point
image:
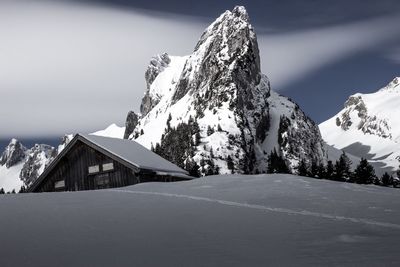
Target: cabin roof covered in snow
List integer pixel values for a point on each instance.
(133, 153)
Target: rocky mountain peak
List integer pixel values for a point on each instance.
(13, 153)
(225, 61)
(38, 158)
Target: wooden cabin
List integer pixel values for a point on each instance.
(92, 162)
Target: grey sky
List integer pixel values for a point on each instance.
(71, 67)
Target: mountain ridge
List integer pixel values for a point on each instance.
(367, 126)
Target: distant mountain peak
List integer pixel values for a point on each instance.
(13, 153)
(369, 123)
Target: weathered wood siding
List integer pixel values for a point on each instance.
(73, 170)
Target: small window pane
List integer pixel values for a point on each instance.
(59, 184)
(108, 166)
(94, 169)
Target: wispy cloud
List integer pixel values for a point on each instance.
(289, 57)
(69, 67)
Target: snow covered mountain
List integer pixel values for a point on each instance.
(216, 109)
(368, 126)
(20, 166)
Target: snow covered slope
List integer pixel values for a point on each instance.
(9, 177)
(368, 126)
(230, 220)
(216, 109)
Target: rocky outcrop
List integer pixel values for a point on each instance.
(38, 157)
(367, 123)
(13, 153)
(157, 64)
(130, 123)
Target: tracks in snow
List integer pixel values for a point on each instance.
(266, 208)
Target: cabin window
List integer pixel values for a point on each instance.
(108, 166)
(94, 169)
(59, 184)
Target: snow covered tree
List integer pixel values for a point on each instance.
(364, 173)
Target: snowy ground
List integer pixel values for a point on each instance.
(260, 220)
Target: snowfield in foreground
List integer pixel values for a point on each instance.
(235, 220)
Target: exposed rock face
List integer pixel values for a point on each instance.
(13, 154)
(130, 124)
(157, 64)
(226, 58)
(365, 122)
(38, 157)
(219, 98)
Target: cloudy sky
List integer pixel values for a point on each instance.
(78, 66)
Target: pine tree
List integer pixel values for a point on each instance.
(314, 168)
(329, 170)
(276, 163)
(364, 173)
(192, 168)
(321, 171)
(386, 179)
(211, 153)
(302, 168)
(2, 192)
(169, 122)
(22, 190)
(342, 168)
(219, 128)
(230, 164)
